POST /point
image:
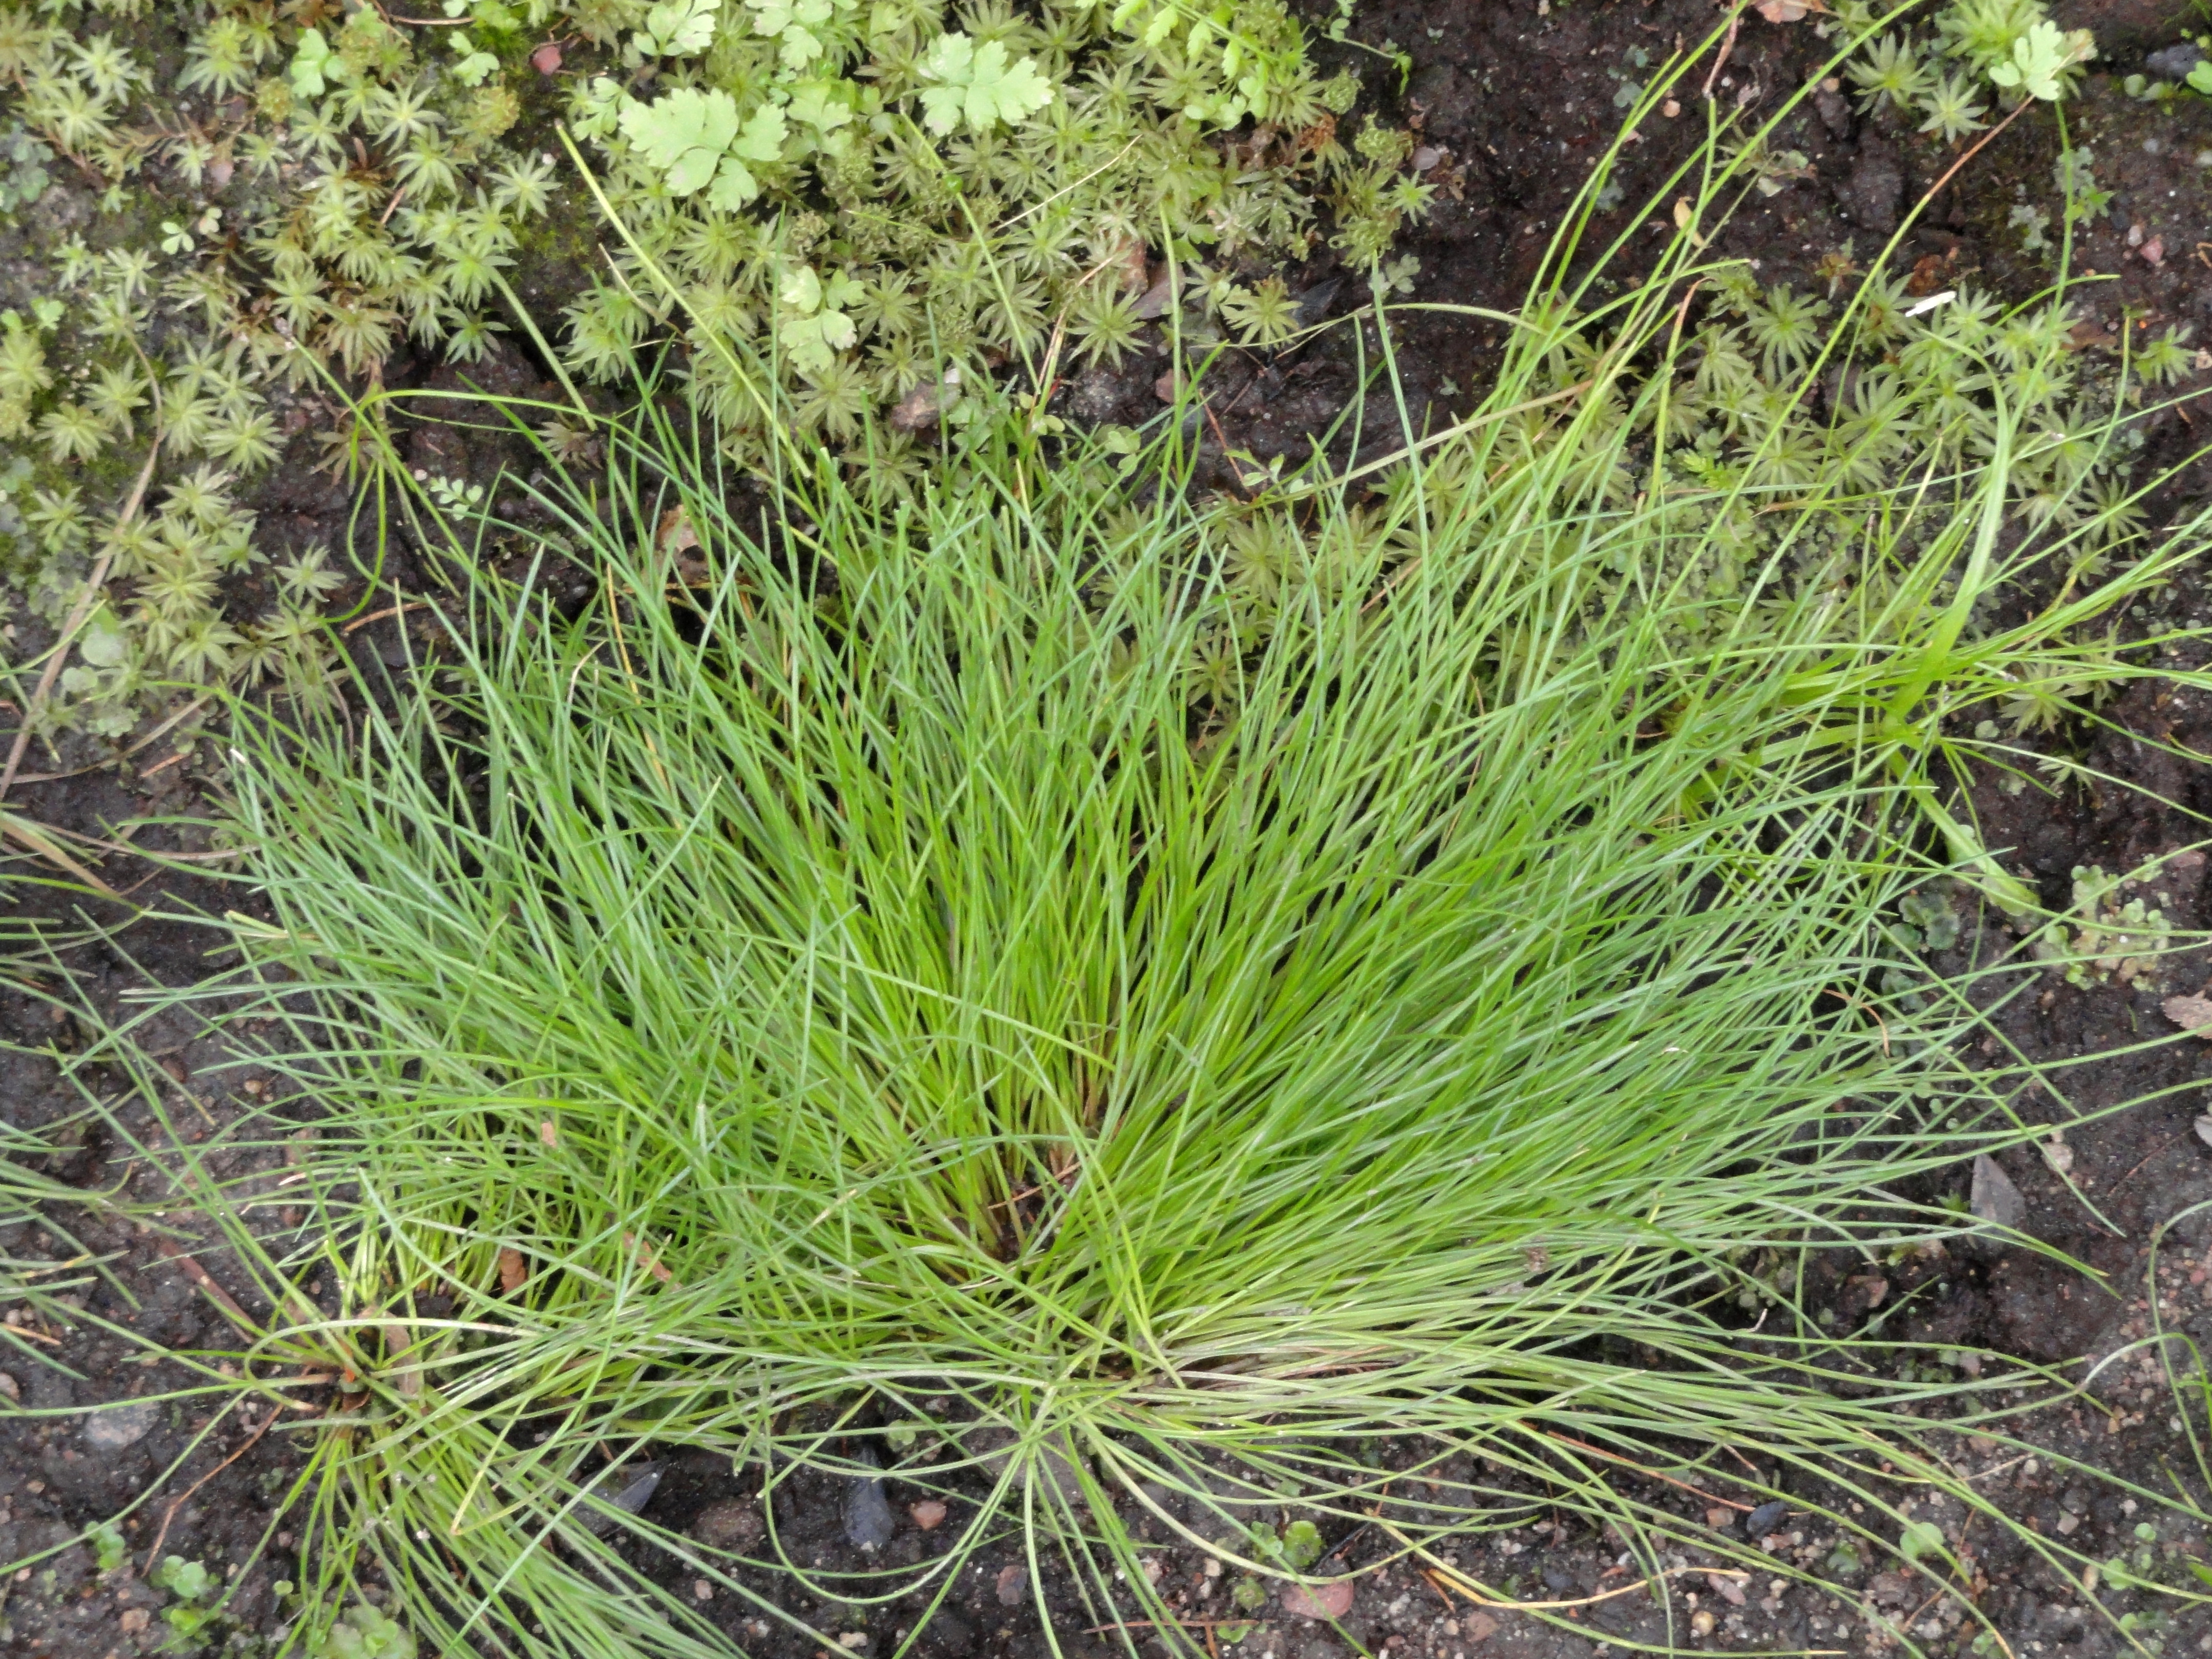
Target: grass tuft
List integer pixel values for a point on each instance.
(1115, 1000)
(853, 963)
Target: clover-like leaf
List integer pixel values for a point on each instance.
(601, 109)
(103, 643)
(817, 327)
(977, 84)
(678, 28)
(684, 135)
(311, 59)
(823, 106)
(774, 16)
(188, 1580)
(801, 290)
(761, 139)
(2040, 57)
(472, 68)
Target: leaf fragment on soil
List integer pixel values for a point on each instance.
(1330, 1601)
(2191, 1013)
(1993, 1198)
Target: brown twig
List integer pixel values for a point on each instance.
(360, 623)
(205, 1280)
(1728, 45)
(1854, 1003)
(2026, 105)
(2163, 1146)
(1479, 1596)
(170, 1513)
(1600, 1451)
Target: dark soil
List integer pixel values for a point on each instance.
(1518, 98)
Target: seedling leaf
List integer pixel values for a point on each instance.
(2039, 57)
(685, 135)
(817, 327)
(109, 1550)
(978, 85)
(1921, 1538)
(309, 61)
(678, 28)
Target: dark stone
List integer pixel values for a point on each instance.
(1314, 303)
(949, 1636)
(1876, 187)
(628, 1488)
(47, 1389)
(735, 1524)
(2175, 63)
(1764, 1519)
(1098, 395)
(1835, 111)
(869, 1521)
(1449, 98)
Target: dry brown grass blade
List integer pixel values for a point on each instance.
(37, 839)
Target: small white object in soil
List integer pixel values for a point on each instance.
(113, 1430)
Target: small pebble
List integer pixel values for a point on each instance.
(731, 1525)
(2175, 63)
(869, 1521)
(928, 1514)
(1013, 1580)
(113, 1429)
(1764, 1519)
